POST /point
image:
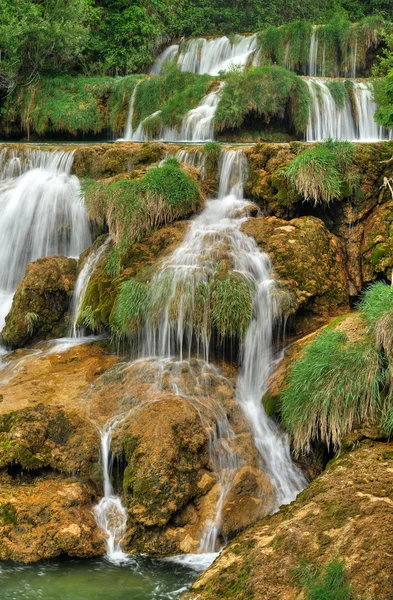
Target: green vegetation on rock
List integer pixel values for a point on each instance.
(269, 92)
(329, 584)
(324, 172)
(132, 207)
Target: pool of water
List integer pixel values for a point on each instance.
(95, 579)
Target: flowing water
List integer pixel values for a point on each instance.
(81, 284)
(197, 125)
(208, 56)
(42, 215)
(330, 120)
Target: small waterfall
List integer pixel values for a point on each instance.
(209, 56)
(42, 215)
(328, 120)
(128, 131)
(197, 125)
(167, 56)
(82, 282)
(110, 514)
(313, 58)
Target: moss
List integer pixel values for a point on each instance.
(8, 514)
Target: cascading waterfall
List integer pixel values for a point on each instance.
(128, 131)
(110, 514)
(197, 125)
(42, 215)
(193, 263)
(82, 282)
(329, 120)
(208, 56)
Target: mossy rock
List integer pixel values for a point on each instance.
(41, 301)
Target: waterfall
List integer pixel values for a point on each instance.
(110, 514)
(209, 56)
(82, 282)
(167, 56)
(328, 120)
(128, 131)
(313, 57)
(195, 158)
(215, 230)
(42, 215)
(197, 125)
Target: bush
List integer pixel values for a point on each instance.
(268, 92)
(324, 172)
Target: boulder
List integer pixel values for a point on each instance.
(41, 301)
(308, 262)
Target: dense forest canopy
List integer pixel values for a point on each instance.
(119, 37)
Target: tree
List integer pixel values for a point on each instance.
(40, 37)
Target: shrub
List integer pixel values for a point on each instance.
(324, 172)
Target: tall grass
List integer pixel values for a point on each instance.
(132, 307)
(324, 172)
(269, 92)
(72, 105)
(131, 207)
(334, 384)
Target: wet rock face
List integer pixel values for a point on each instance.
(41, 301)
(345, 514)
(308, 261)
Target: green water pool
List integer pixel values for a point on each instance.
(95, 579)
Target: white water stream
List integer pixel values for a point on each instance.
(81, 285)
(173, 341)
(41, 215)
(329, 120)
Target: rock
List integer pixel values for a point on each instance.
(47, 518)
(345, 514)
(377, 244)
(48, 437)
(308, 261)
(41, 301)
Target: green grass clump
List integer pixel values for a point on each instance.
(324, 172)
(332, 385)
(270, 92)
(231, 307)
(131, 307)
(329, 584)
(172, 94)
(132, 207)
(212, 152)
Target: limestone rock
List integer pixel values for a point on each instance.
(345, 513)
(41, 300)
(377, 244)
(308, 261)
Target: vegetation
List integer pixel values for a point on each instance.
(231, 306)
(329, 584)
(72, 105)
(132, 207)
(269, 92)
(383, 85)
(323, 398)
(172, 94)
(324, 172)
(131, 307)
